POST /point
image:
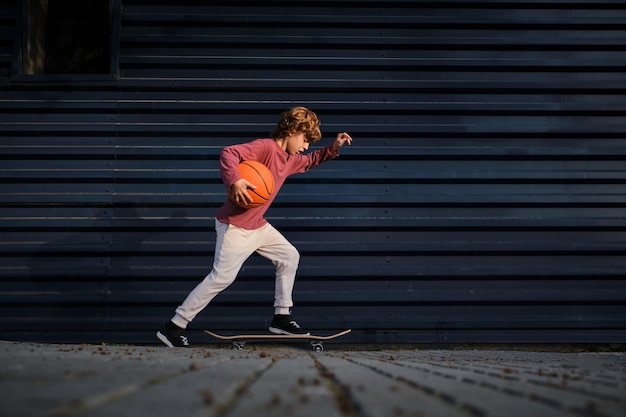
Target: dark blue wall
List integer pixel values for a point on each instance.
(483, 200)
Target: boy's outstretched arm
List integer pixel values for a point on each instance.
(342, 139)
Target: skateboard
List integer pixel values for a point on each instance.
(239, 340)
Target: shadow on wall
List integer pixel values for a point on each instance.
(71, 275)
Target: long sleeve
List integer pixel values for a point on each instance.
(282, 165)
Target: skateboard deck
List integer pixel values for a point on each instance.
(239, 340)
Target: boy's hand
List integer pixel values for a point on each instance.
(239, 191)
(342, 138)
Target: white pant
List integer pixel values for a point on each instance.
(233, 246)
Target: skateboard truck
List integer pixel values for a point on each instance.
(317, 346)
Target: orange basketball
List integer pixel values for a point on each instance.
(259, 175)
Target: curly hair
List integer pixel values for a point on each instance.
(298, 120)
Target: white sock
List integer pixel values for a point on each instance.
(180, 321)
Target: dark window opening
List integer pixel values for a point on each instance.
(68, 37)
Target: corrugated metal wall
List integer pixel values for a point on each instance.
(483, 199)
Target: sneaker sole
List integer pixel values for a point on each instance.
(278, 331)
(164, 339)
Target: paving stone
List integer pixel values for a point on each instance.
(376, 392)
(265, 380)
(292, 386)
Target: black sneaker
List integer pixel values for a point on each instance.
(284, 324)
(173, 336)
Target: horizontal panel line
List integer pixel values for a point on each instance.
(170, 44)
(373, 7)
(372, 22)
(313, 205)
(321, 228)
(547, 67)
(37, 109)
(476, 280)
(72, 253)
(385, 152)
(120, 180)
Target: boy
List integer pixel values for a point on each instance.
(241, 232)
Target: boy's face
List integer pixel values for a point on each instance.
(296, 143)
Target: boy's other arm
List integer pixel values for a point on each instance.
(342, 139)
(331, 151)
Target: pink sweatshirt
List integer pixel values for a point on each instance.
(279, 162)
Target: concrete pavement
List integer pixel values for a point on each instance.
(290, 380)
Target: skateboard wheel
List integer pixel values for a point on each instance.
(317, 347)
(238, 345)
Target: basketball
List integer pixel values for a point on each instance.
(259, 175)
